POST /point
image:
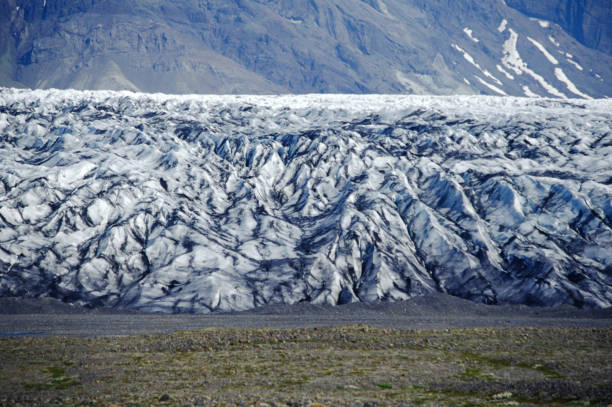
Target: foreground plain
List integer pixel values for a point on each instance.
(356, 365)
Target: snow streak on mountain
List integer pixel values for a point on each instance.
(201, 204)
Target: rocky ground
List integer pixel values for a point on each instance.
(435, 350)
(48, 317)
(332, 366)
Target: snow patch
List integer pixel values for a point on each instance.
(490, 75)
(468, 32)
(576, 64)
(554, 41)
(490, 86)
(543, 50)
(467, 56)
(547, 86)
(502, 70)
(570, 85)
(471, 60)
(529, 93)
(502, 26)
(512, 60)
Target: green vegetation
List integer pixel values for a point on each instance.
(57, 380)
(340, 366)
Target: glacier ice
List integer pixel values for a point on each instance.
(219, 203)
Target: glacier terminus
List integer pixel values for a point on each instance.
(222, 203)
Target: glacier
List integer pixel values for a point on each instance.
(200, 204)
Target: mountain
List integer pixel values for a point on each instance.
(586, 20)
(208, 203)
(314, 46)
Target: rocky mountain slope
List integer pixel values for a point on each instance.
(586, 20)
(199, 204)
(296, 46)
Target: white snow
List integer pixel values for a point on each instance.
(471, 60)
(512, 60)
(34, 213)
(543, 23)
(468, 32)
(543, 50)
(502, 70)
(12, 215)
(72, 176)
(490, 86)
(490, 76)
(467, 56)
(576, 64)
(502, 26)
(529, 93)
(570, 85)
(554, 41)
(100, 211)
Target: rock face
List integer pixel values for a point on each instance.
(586, 20)
(294, 46)
(200, 204)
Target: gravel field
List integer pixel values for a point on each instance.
(45, 317)
(313, 367)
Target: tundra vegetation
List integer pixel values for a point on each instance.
(334, 366)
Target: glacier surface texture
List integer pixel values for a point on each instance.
(219, 203)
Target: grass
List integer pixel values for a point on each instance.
(57, 380)
(501, 363)
(342, 366)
